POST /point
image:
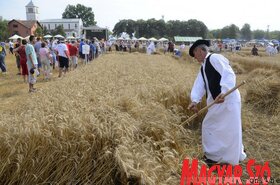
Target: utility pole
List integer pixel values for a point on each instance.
(267, 32)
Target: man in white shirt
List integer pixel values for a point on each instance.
(221, 127)
(63, 57)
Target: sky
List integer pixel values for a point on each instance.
(215, 14)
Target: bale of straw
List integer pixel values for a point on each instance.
(237, 68)
(263, 91)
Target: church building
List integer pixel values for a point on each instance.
(26, 27)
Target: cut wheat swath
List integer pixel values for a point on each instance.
(210, 105)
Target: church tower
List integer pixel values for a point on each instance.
(31, 12)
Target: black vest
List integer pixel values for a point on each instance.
(213, 77)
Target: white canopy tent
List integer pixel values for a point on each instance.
(58, 36)
(134, 38)
(48, 36)
(27, 38)
(70, 38)
(163, 39)
(15, 37)
(112, 39)
(142, 39)
(152, 39)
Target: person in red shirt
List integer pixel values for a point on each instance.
(73, 51)
(21, 52)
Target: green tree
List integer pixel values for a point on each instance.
(231, 31)
(197, 28)
(173, 28)
(126, 25)
(4, 33)
(141, 27)
(39, 32)
(159, 28)
(155, 28)
(58, 30)
(45, 31)
(80, 11)
(274, 35)
(258, 34)
(217, 34)
(246, 32)
(130, 26)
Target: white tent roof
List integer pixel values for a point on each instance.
(15, 37)
(142, 38)
(162, 39)
(48, 36)
(152, 39)
(27, 37)
(58, 36)
(71, 37)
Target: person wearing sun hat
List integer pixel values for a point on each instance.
(221, 127)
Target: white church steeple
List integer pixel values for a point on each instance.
(31, 11)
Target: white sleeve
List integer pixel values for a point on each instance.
(228, 78)
(198, 89)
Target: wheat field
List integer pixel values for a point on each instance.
(117, 120)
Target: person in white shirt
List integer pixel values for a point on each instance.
(151, 48)
(182, 47)
(221, 127)
(11, 47)
(63, 57)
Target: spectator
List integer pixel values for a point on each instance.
(63, 57)
(11, 47)
(37, 47)
(3, 54)
(32, 63)
(18, 43)
(21, 52)
(73, 51)
(45, 57)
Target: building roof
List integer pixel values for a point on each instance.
(60, 20)
(30, 4)
(94, 27)
(27, 24)
(186, 39)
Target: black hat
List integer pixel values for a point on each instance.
(197, 43)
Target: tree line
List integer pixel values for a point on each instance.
(191, 28)
(160, 28)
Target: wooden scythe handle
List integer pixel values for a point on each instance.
(210, 105)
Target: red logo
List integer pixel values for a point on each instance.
(224, 174)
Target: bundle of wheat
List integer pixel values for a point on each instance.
(264, 91)
(237, 68)
(114, 125)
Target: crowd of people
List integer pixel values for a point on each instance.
(38, 56)
(49, 54)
